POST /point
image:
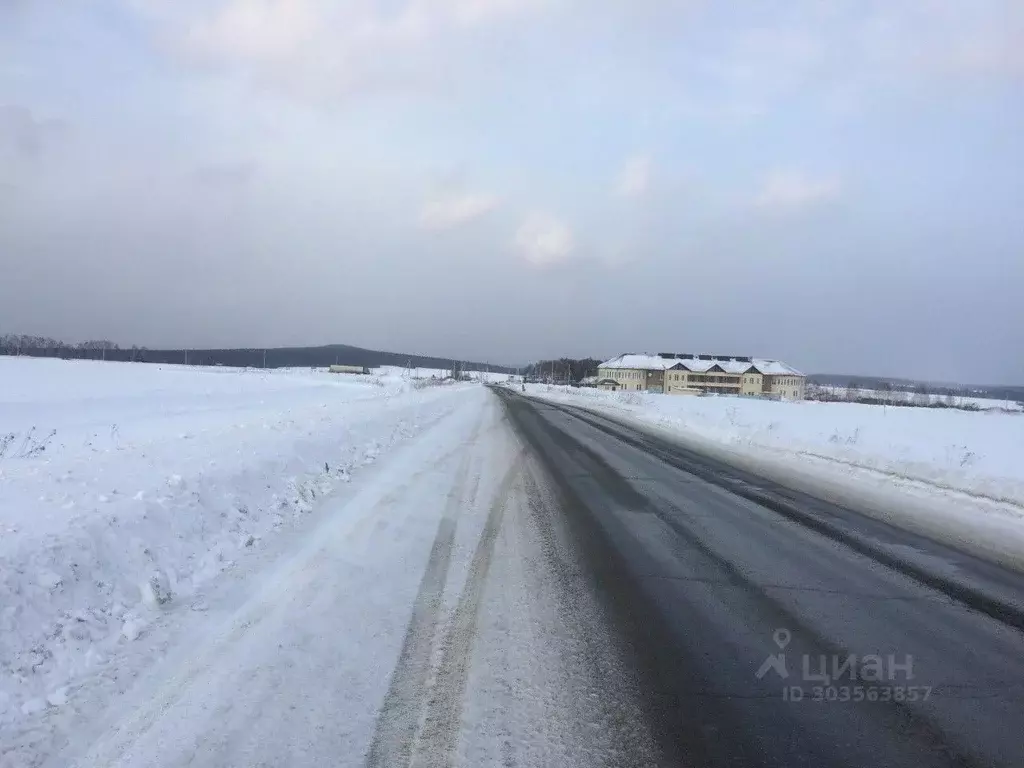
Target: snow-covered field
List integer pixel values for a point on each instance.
(964, 470)
(125, 488)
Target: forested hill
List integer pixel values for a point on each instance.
(279, 357)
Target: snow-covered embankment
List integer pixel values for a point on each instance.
(124, 487)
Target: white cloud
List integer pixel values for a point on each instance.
(325, 49)
(746, 65)
(635, 179)
(792, 190)
(256, 29)
(453, 211)
(543, 239)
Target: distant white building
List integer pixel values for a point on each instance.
(683, 374)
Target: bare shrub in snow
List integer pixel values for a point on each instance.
(30, 447)
(836, 438)
(157, 590)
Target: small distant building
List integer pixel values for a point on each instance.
(608, 384)
(349, 369)
(685, 374)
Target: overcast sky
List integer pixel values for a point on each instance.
(838, 184)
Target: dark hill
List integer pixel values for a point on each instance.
(280, 357)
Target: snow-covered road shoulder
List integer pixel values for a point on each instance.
(126, 489)
(949, 474)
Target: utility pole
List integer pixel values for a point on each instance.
(186, 357)
(264, 358)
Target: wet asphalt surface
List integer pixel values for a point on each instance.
(771, 628)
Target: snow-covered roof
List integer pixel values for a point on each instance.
(733, 365)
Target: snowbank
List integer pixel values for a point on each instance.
(127, 486)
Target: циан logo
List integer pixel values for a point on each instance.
(777, 661)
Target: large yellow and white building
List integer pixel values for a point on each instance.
(684, 374)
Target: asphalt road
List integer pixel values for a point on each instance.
(770, 628)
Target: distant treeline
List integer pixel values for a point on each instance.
(920, 398)
(918, 387)
(564, 369)
(280, 357)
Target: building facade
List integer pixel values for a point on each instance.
(685, 374)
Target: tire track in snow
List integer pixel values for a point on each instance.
(435, 747)
(400, 713)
